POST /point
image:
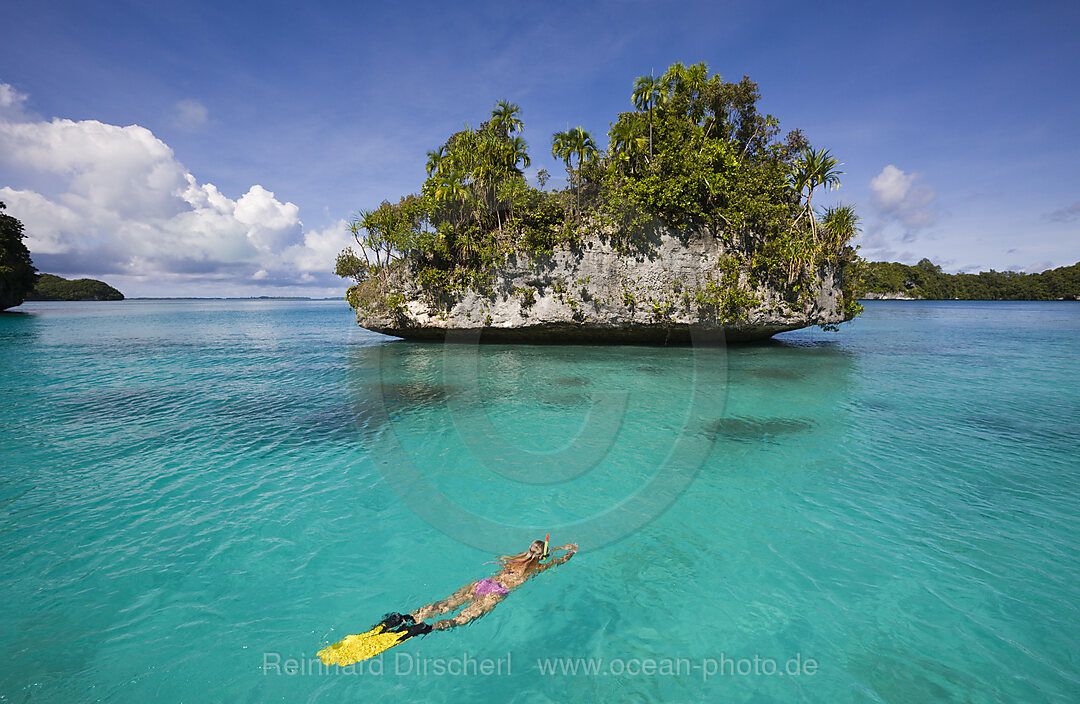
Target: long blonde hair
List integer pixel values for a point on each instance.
(523, 562)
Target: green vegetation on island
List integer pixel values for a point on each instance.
(693, 155)
(55, 288)
(17, 272)
(926, 280)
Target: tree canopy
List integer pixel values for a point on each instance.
(17, 272)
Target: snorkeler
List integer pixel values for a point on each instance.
(477, 597)
(486, 593)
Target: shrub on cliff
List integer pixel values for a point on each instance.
(17, 272)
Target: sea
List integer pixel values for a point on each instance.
(197, 496)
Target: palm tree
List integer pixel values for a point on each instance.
(842, 224)
(576, 142)
(814, 168)
(584, 146)
(465, 150)
(646, 91)
(505, 118)
(695, 78)
(451, 189)
(519, 150)
(620, 137)
(674, 79)
(624, 141)
(487, 169)
(434, 159)
(682, 87)
(562, 147)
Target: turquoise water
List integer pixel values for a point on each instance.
(195, 497)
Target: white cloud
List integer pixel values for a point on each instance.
(899, 198)
(50, 220)
(11, 100)
(123, 204)
(121, 170)
(190, 115)
(319, 250)
(271, 225)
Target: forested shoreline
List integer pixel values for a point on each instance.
(927, 281)
(55, 288)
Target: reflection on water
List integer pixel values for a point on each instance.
(758, 429)
(519, 434)
(571, 381)
(552, 433)
(541, 396)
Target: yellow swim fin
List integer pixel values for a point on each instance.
(352, 649)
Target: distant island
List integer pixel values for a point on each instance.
(231, 298)
(55, 288)
(926, 281)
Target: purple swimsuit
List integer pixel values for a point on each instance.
(490, 586)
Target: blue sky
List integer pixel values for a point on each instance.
(216, 148)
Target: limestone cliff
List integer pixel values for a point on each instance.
(597, 292)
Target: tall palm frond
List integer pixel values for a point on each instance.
(434, 159)
(814, 168)
(505, 118)
(520, 152)
(647, 90)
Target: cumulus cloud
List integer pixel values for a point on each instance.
(319, 249)
(123, 203)
(11, 100)
(1066, 214)
(898, 197)
(190, 115)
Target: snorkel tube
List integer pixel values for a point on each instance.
(546, 539)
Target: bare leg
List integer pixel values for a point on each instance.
(448, 604)
(480, 605)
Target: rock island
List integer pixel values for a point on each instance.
(695, 218)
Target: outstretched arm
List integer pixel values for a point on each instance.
(570, 548)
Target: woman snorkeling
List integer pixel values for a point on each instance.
(477, 598)
(483, 595)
